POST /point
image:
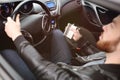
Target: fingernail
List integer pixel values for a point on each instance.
(9, 18)
(4, 22)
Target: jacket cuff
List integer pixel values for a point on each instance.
(18, 41)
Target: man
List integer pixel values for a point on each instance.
(45, 70)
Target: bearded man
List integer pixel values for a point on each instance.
(109, 41)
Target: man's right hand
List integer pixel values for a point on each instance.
(76, 35)
(12, 28)
(72, 32)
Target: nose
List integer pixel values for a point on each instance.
(104, 27)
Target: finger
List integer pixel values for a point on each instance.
(78, 28)
(18, 18)
(77, 31)
(9, 19)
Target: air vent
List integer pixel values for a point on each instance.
(87, 4)
(90, 13)
(106, 16)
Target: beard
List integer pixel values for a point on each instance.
(108, 46)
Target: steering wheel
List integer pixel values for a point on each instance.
(28, 22)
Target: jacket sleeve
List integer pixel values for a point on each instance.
(42, 69)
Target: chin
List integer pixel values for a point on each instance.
(107, 46)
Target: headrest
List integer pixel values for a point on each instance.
(9, 1)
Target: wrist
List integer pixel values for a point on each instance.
(16, 35)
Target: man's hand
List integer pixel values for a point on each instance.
(76, 33)
(12, 28)
(72, 32)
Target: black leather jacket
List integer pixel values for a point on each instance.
(45, 70)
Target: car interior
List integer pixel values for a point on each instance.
(39, 17)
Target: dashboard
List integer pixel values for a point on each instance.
(6, 9)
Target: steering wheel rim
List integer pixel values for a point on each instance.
(13, 15)
(45, 8)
